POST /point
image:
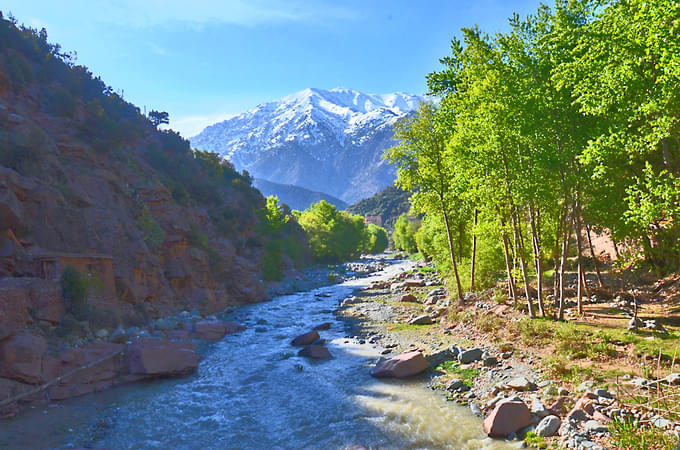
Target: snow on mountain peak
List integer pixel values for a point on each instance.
(311, 125)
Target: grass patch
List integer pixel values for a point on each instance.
(630, 433)
(467, 375)
(532, 440)
(402, 327)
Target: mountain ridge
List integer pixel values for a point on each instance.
(329, 141)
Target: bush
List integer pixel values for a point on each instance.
(404, 235)
(75, 289)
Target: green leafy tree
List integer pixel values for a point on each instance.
(159, 118)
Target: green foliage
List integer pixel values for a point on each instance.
(153, 234)
(58, 101)
(376, 240)
(334, 236)
(468, 376)
(404, 234)
(532, 440)
(630, 433)
(22, 149)
(75, 289)
(389, 204)
(159, 118)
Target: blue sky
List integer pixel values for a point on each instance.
(205, 60)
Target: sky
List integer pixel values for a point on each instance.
(203, 61)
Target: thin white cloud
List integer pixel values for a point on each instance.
(157, 49)
(190, 126)
(150, 13)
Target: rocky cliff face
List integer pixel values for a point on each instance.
(326, 141)
(85, 178)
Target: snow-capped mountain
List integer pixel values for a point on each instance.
(324, 140)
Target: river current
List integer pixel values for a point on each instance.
(251, 391)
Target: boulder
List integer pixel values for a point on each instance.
(508, 416)
(593, 426)
(520, 384)
(305, 339)
(323, 326)
(408, 298)
(21, 357)
(401, 366)
(538, 408)
(214, 330)
(548, 426)
(156, 358)
(468, 356)
(315, 352)
(421, 320)
(414, 283)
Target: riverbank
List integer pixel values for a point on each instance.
(475, 364)
(40, 366)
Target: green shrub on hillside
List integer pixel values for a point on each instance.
(75, 289)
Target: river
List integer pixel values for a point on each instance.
(251, 391)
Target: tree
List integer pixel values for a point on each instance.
(159, 118)
(422, 167)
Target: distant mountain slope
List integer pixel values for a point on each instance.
(295, 197)
(326, 141)
(389, 204)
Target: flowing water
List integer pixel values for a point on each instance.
(251, 391)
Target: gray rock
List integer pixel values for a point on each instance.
(661, 422)
(421, 320)
(673, 379)
(520, 384)
(603, 393)
(538, 408)
(585, 386)
(490, 361)
(454, 385)
(548, 426)
(102, 334)
(593, 426)
(118, 336)
(468, 356)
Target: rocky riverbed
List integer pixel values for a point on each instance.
(499, 382)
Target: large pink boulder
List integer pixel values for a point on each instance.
(401, 366)
(21, 357)
(315, 352)
(214, 330)
(305, 339)
(157, 358)
(507, 417)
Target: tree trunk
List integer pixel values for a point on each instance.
(520, 251)
(461, 233)
(579, 249)
(563, 261)
(474, 254)
(536, 245)
(512, 293)
(592, 254)
(453, 254)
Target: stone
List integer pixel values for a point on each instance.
(118, 335)
(414, 283)
(538, 408)
(673, 379)
(21, 357)
(408, 298)
(401, 366)
(468, 356)
(490, 361)
(585, 386)
(507, 417)
(593, 426)
(520, 384)
(421, 320)
(323, 326)
(454, 385)
(214, 330)
(548, 426)
(155, 358)
(305, 339)
(102, 334)
(602, 393)
(577, 415)
(315, 352)
(661, 422)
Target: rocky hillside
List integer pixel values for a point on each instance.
(388, 204)
(295, 197)
(87, 181)
(326, 141)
